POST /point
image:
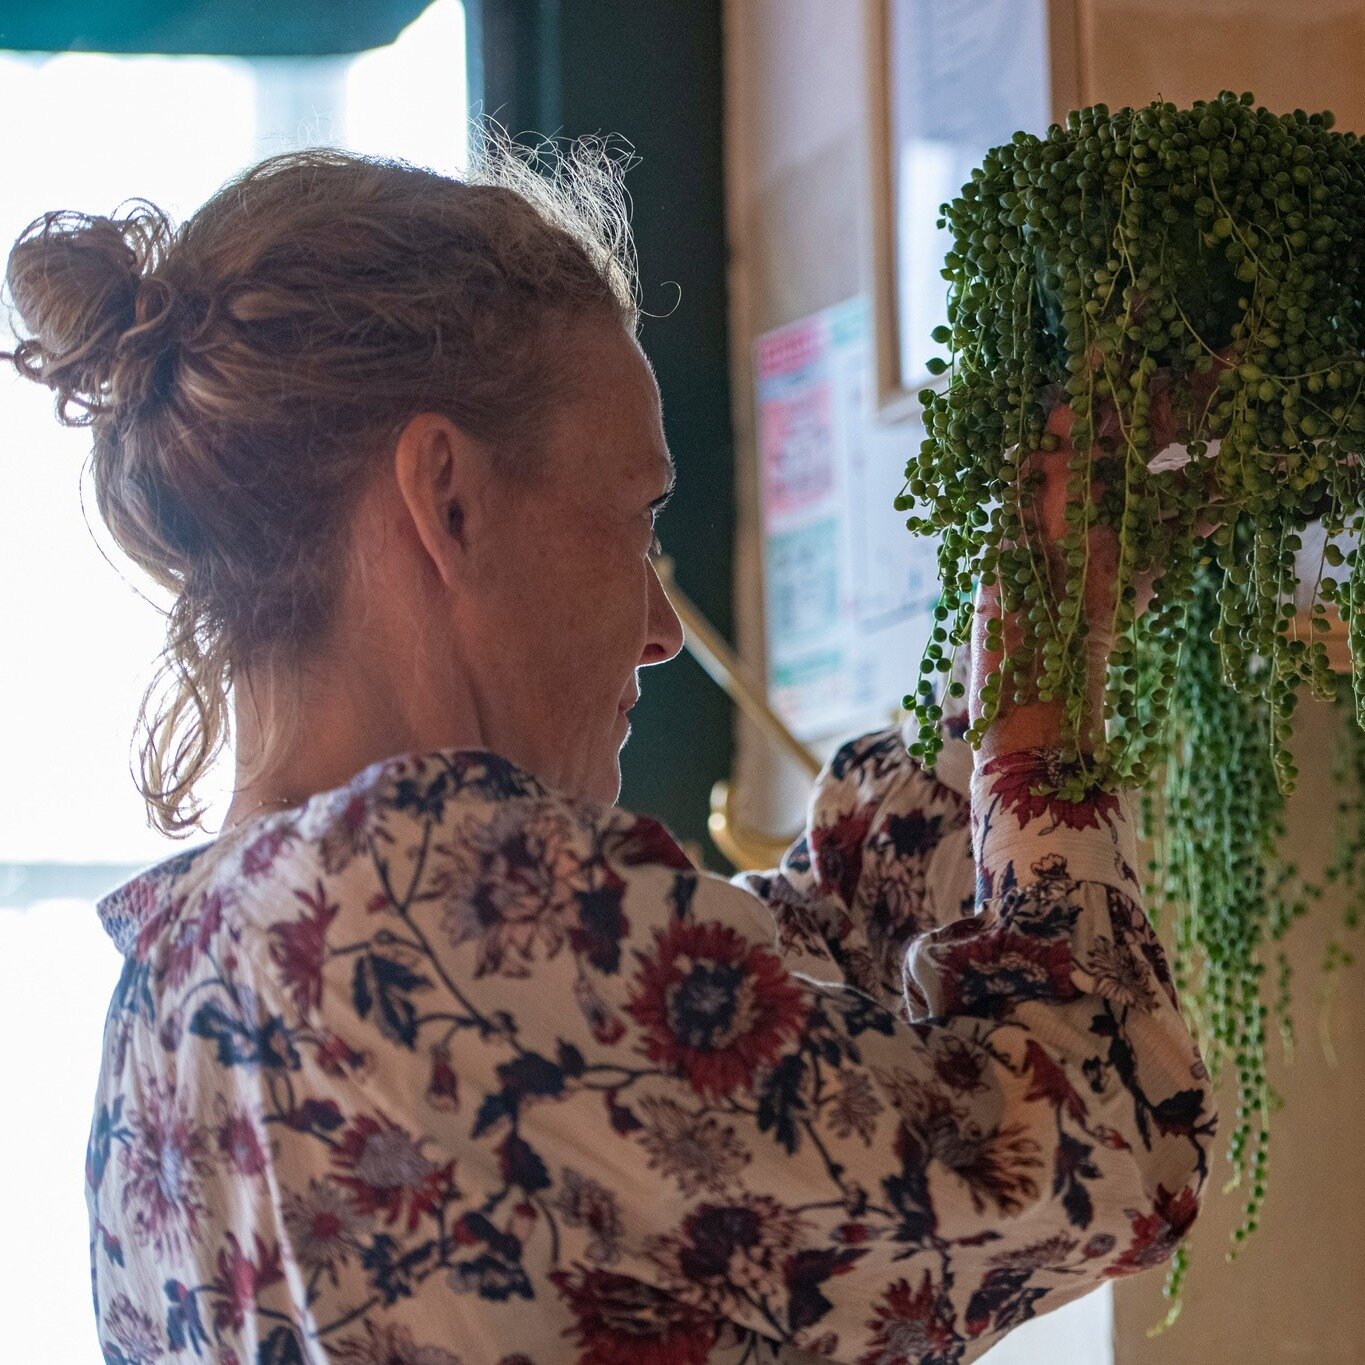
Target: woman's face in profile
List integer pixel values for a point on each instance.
(565, 606)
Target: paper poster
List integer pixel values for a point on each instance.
(849, 592)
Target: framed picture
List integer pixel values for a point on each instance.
(948, 80)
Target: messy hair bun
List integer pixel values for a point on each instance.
(244, 373)
(87, 292)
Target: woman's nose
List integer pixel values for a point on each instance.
(665, 634)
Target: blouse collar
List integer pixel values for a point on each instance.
(411, 782)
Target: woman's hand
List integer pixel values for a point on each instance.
(1038, 723)
(1047, 514)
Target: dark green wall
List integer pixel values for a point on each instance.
(651, 73)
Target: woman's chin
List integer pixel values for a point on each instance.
(608, 790)
(603, 782)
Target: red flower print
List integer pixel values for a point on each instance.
(511, 888)
(259, 855)
(623, 1321)
(1111, 1138)
(852, 1234)
(714, 1006)
(731, 1254)
(1157, 1234)
(240, 1142)
(837, 849)
(153, 914)
(163, 1166)
(960, 1065)
(1050, 1253)
(854, 1107)
(182, 955)
(324, 1227)
(134, 1332)
(1050, 865)
(338, 1058)
(636, 840)
(299, 948)
(914, 1326)
(239, 1279)
(696, 1150)
(1050, 1082)
(1120, 975)
(994, 1161)
(389, 1172)
(583, 1202)
(988, 972)
(190, 935)
(443, 1089)
(1014, 776)
(344, 827)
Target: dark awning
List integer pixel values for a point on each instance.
(239, 28)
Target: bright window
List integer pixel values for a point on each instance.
(81, 635)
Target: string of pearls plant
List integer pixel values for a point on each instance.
(1220, 885)
(1157, 270)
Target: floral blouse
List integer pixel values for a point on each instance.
(444, 1068)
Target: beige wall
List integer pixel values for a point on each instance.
(797, 205)
(1304, 54)
(799, 216)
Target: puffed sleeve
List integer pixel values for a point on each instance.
(886, 854)
(774, 1148)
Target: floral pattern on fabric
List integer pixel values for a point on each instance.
(445, 1068)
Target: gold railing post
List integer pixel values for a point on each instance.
(749, 849)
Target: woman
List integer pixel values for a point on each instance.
(436, 1055)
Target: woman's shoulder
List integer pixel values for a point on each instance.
(459, 823)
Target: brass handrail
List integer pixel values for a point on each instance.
(706, 645)
(747, 848)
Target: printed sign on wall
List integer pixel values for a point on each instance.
(849, 592)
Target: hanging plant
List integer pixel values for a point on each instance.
(1219, 884)
(1152, 277)
(1172, 298)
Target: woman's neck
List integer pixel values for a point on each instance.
(318, 731)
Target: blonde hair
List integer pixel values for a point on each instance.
(244, 374)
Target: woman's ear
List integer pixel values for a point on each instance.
(440, 472)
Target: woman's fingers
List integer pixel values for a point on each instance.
(1048, 511)
(1059, 421)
